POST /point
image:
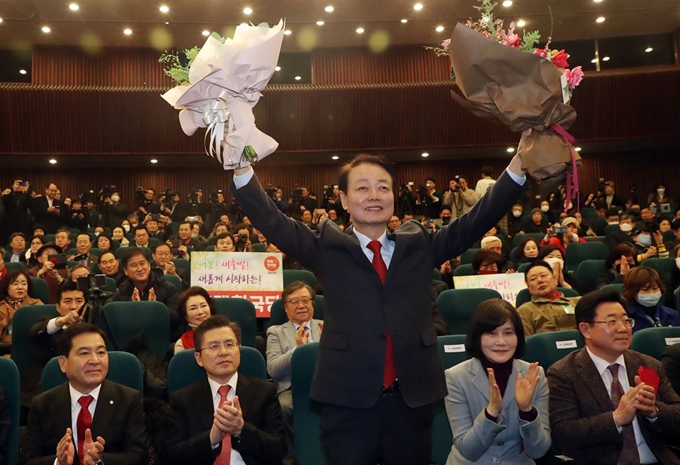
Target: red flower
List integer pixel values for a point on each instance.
(560, 59)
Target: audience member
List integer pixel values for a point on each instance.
(242, 239)
(224, 243)
(16, 204)
(488, 262)
(648, 243)
(485, 183)
(609, 196)
(600, 409)
(109, 265)
(17, 248)
(282, 340)
(194, 307)
(515, 220)
(15, 290)
(3, 268)
(77, 216)
(536, 223)
(185, 238)
(84, 247)
(553, 256)
(623, 235)
(527, 251)
(47, 269)
(77, 272)
(31, 254)
(49, 211)
(104, 420)
(675, 227)
(549, 310)
(63, 239)
(643, 289)
(141, 237)
(162, 256)
(118, 233)
(660, 195)
(115, 213)
(228, 417)
(104, 243)
(497, 404)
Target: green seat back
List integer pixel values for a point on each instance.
(23, 319)
(120, 252)
(41, 290)
(467, 256)
(464, 270)
(110, 284)
(663, 266)
(523, 267)
(457, 305)
(307, 412)
(183, 264)
(588, 272)
(50, 238)
(241, 311)
(517, 240)
(124, 368)
(174, 280)
(9, 381)
(153, 242)
(523, 296)
(122, 321)
(436, 274)
(278, 311)
(212, 240)
(578, 252)
(452, 351)
(548, 348)
(259, 247)
(184, 371)
(209, 248)
(588, 213)
(613, 287)
(15, 266)
(652, 341)
(610, 228)
(305, 276)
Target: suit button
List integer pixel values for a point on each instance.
(382, 337)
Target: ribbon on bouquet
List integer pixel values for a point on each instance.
(215, 117)
(572, 184)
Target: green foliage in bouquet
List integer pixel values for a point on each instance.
(177, 68)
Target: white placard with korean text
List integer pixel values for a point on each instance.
(255, 276)
(508, 285)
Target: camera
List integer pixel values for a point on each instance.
(192, 218)
(59, 260)
(243, 237)
(328, 190)
(271, 190)
(156, 216)
(557, 229)
(214, 195)
(140, 193)
(23, 183)
(91, 282)
(422, 191)
(174, 247)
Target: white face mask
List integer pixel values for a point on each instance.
(625, 227)
(552, 260)
(96, 233)
(126, 227)
(649, 300)
(516, 213)
(613, 222)
(545, 208)
(115, 198)
(660, 191)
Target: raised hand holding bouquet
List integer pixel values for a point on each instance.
(220, 86)
(504, 77)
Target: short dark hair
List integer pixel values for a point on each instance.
(220, 223)
(214, 322)
(446, 207)
(75, 268)
(519, 253)
(19, 234)
(485, 255)
(636, 279)
(155, 247)
(611, 212)
(140, 227)
(294, 286)
(617, 251)
(587, 305)
(537, 263)
(431, 179)
(547, 250)
(68, 286)
(241, 226)
(67, 231)
(130, 254)
(99, 260)
(10, 277)
(364, 158)
(487, 170)
(488, 316)
(192, 292)
(224, 235)
(65, 343)
(84, 234)
(183, 222)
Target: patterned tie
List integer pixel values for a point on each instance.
(83, 422)
(390, 374)
(225, 455)
(629, 453)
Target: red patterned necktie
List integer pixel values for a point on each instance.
(629, 454)
(390, 374)
(225, 455)
(83, 422)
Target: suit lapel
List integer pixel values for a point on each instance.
(245, 395)
(354, 249)
(61, 408)
(479, 378)
(400, 247)
(590, 378)
(632, 365)
(204, 404)
(107, 402)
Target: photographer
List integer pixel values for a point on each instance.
(459, 197)
(216, 207)
(156, 226)
(172, 207)
(276, 194)
(406, 203)
(17, 203)
(48, 211)
(51, 267)
(78, 217)
(114, 211)
(308, 200)
(562, 236)
(332, 200)
(184, 239)
(242, 239)
(196, 208)
(145, 204)
(429, 199)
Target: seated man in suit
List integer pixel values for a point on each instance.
(301, 328)
(601, 412)
(549, 310)
(228, 417)
(83, 246)
(47, 269)
(88, 420)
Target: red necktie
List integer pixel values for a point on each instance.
(83, 422)
(629, 454)
(225, 455)
(390, 373)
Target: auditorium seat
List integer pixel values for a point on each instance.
(588, 272)
(652, 341)
(457, 305)
(578, 252)
(122, 321)
(241, 311)
(548, 348)
(9, 381)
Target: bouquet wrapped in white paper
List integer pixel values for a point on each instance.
(225, 83)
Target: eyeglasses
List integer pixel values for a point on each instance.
(216, 346)
(626, 322)
(304, 301)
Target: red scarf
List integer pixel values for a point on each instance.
(188, 339)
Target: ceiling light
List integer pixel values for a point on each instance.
(648, 49)
(0, 20)
(507, 3)
(424, 154)
(247, 11)
(439, 28)
(510, 149)
(404, 21)
(164, 9)
(22, 71)
(127, 31)
(521, 23)
(418, 6)
(46, 29)
(578, 149)
(154, 161)
(600, 19)
(297, 78)
(166, 23)
(594, 60)
(597, 1)
(53, 161)
(278, 68)
(288, 32)
(360, 30)
(605, 59)
(206, 33)
(329, 9)
(335, 157)
(320, 23)
(73, 7)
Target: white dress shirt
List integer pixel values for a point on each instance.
(76, 407)
(236, 458)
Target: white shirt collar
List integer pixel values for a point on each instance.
(214, 385)
(364, 239)
(75, 395)
(602, 365)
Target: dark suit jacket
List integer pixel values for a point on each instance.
(671, 363)
(43, 348)
(118, 418)
(262, 437)
(49, 221)
(360, 309)
(581, 411)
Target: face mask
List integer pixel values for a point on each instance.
(516, 213)
(649, 300)
(660, 192)
(487, 272)
(552, 260)
(545, 208)
(645, 239)
(115, 198)
(614, 222)
(126, 227)
(625, 227)
(574, 237)
(446, 221)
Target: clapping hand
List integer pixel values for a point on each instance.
(525, 387)
(92, 450)
(66, 451)
(495, 406)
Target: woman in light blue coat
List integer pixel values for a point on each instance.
(497, 404)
